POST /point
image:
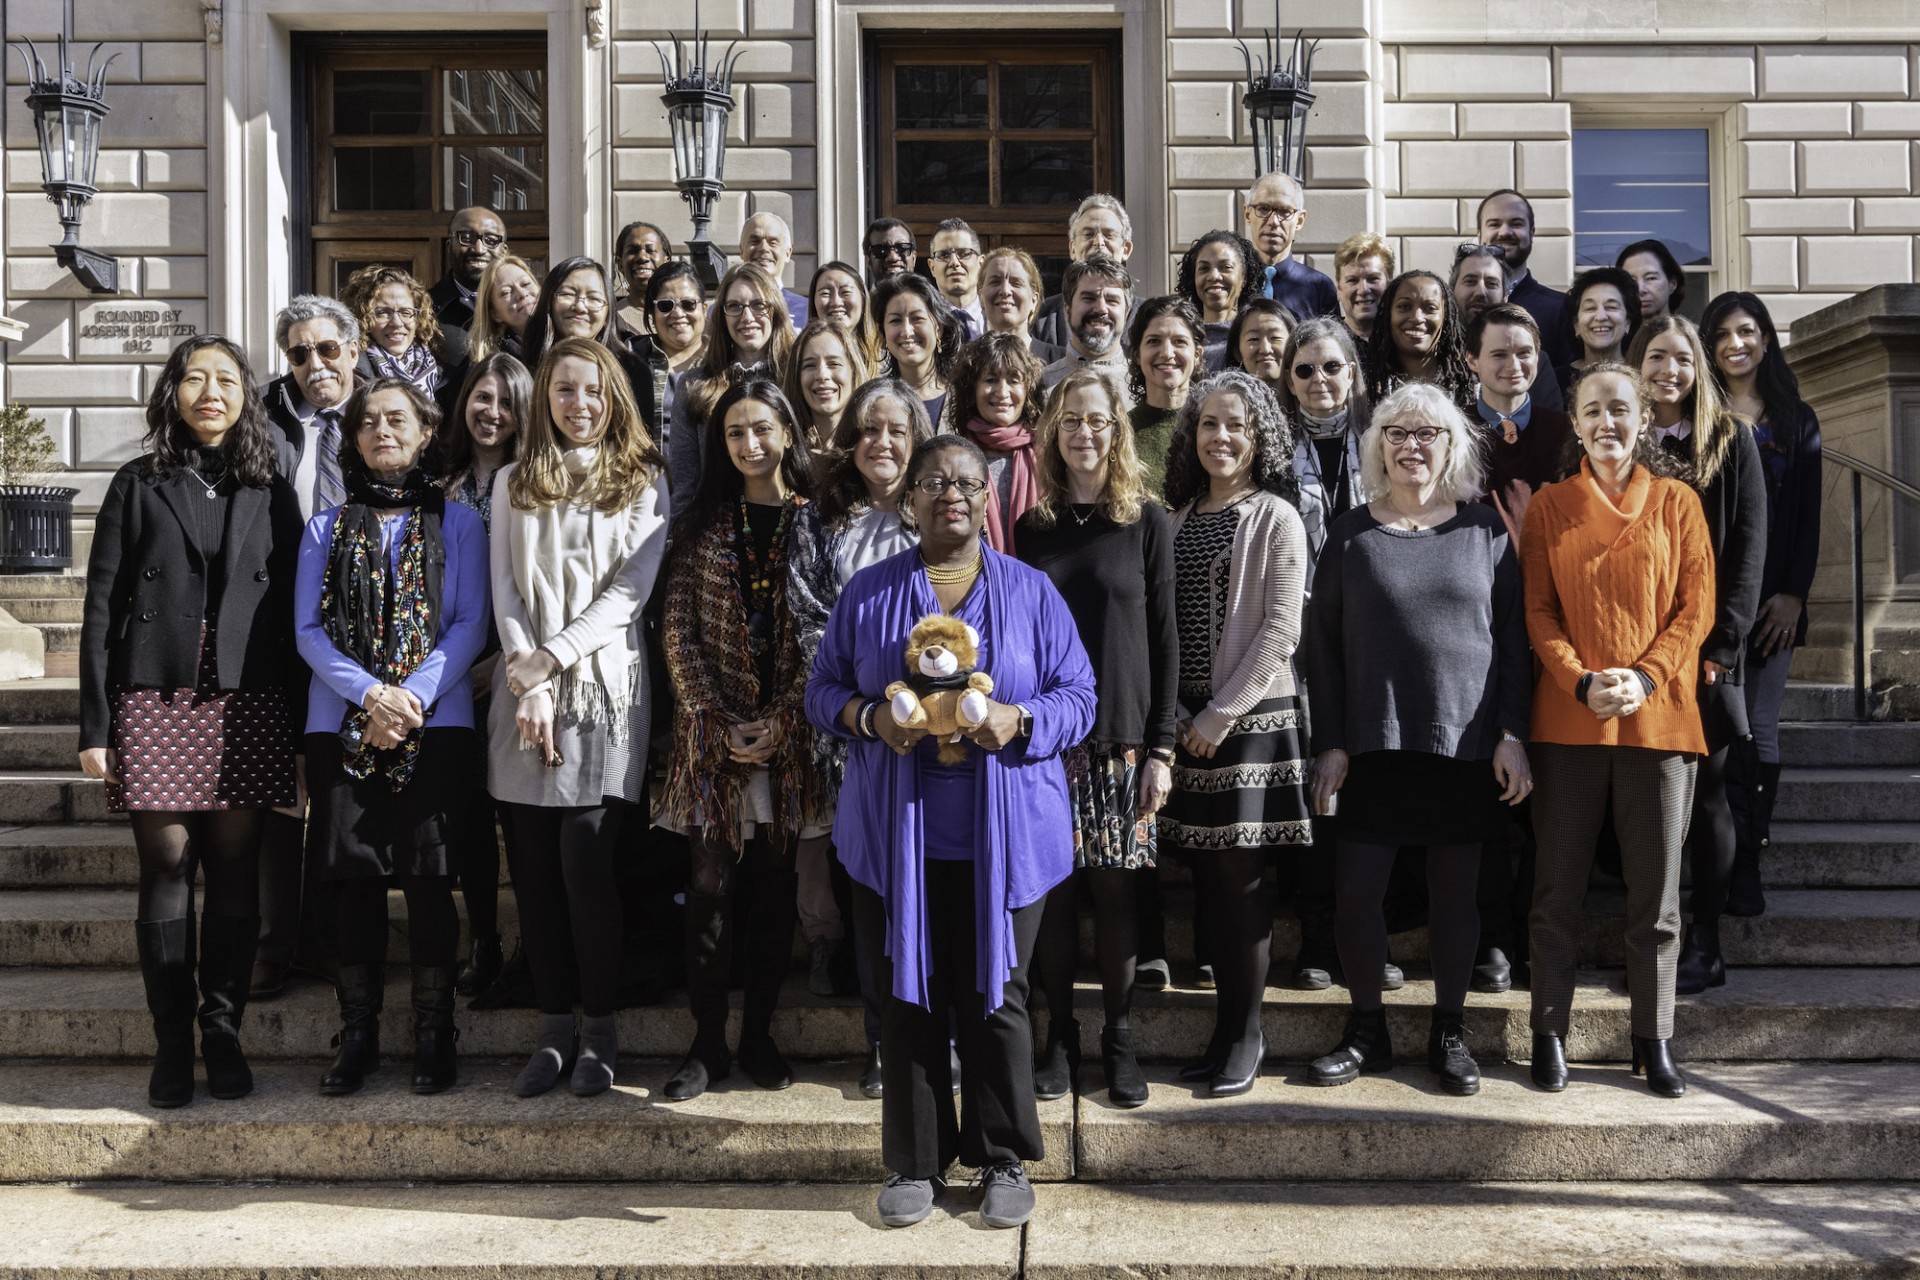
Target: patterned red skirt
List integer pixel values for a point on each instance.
(192, 750)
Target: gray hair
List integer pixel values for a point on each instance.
(786, 229)
(314, 306)
(1101, 200)
(870, 396)
(1462, 473)
(1468, 252)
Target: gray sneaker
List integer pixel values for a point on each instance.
(1153, 975)
(905, 1201)
(1008, 1201)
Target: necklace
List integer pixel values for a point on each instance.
(759, 575)
(948, 576)
(1073, 509)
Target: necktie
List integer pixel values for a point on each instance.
(1266, 290)
(1510, 431)
(329, 487)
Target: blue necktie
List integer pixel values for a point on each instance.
(1266, 290)
(329, 487)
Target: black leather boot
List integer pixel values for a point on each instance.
(363, 993)
(708, 917)
(1058, 1069)
(1549, 1068)
(1364, 1047)
(1745, 896)
(483, 966)
(166, 967)
(434, 1036)
(1126, 1083)
(227, 946)
(1447, 1055)
(1654, 1060)
(1700, 965)
(770, 921)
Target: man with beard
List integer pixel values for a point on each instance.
(475, 237)
(1099, 224)
(1099, 295)
(956, 270)
(1276, 210)
(767, 242)
(1506, 219)
(1480, 283)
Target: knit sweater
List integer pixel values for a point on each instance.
(1265, 595)
(1618, 584)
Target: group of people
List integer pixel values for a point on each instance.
(942, 607)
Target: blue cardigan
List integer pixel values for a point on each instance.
(1024, 824)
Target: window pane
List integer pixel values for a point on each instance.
(382, 178)
(1045, 173)
(940, 97)
(506, 178)
(496, 102)
(380, 101)
(1641, 184)
(941, 172)
(1046, 97)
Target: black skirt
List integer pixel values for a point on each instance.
(1251, 794)
(1416, 797)
(363, 827)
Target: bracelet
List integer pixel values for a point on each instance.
(863, 722)
(1163, 754)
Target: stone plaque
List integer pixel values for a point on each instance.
(129, 329)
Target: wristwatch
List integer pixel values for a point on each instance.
(1026, 722)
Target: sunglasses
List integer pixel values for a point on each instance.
(667, 306)
(325, 350)
(1473, 249)
(891, 249)
(1331, 369)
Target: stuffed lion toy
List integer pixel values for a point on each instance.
(942, 693)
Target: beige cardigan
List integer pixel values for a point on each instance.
(1266, 594)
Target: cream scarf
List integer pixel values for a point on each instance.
(557, 586)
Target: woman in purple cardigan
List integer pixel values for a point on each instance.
(951, 863)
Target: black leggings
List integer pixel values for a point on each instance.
(1453, 918)
(1236, 908)
(1711, 836)
(360, 920)
(569, 902)
(1115, 931)
(716, 866)
(223, 843)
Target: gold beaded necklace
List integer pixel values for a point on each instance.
(947, 577)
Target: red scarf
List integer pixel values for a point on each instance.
(1017, 442)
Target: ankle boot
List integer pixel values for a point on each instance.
(1700, 965)
(1654, 1060)
(1058, 1069)
(1447, 1055)
(434, 1036)
(166, 967)
(708, 917)
(483, 966)
(1745, 896)
(1549, 1068)
(770, 922)
(553, 1053)
(594, 1069)
(227, 946)
(363, 993)
(1126, 1083)
(1364, 1046)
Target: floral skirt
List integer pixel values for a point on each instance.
(1103, 784)
(1252, 794)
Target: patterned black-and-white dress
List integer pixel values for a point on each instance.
(1252, 793)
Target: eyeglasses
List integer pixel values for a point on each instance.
(591, 301)
(1474, 249)
(1419, 435)
(956, 255)
(1268, 212)
(394, 313)
(299, 355)
(759, 306)
(1098, 423)
(891, 249)
(1331, 369)
(471, 238)
(934, 486)
(667, 306)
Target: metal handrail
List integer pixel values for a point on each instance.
(1893, 484)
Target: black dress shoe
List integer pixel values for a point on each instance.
(268, 980)
(872, 1084)
(1309, 978)
(483, 966)
(765, 1065)
(1492, 973)
(1549, 1068)
(1654, 1060)
(1240, 1069)
(1126, 1085)
(1207, 1065)
(1449, 1059)
(1364, 1046)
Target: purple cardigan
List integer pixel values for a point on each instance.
(1025, 824)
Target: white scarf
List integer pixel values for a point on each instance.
(557, 586)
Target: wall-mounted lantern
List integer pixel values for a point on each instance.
(1277, 101)
(699, 99)
(67, 111)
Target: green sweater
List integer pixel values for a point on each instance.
(1152, 433)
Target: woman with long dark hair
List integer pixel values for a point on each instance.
(749, 334)
(1219, 274)
(576, 301)
(838, 294)
(189, 693)
(828, 366)
(922, 335)
(1165, 348)
(1657, 275)
(1417, 337)
(390, 614)
(740, 782)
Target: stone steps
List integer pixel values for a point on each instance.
(41, 586)
(1809, 700)
(97, 855)
(1828, 745)
(39, 746)
(1760, 1015)
(52, 796)
(69, 1122)
(1849, 793)
(38, 611)
(53, 700)
(726, 1231)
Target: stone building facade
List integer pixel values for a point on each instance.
(1810, 111)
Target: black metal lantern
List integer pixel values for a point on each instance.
(67, 111)
(1277, 101)
(699, 102)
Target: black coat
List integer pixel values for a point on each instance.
(452, 310)
(147, 595)
(1735, 505)
(282, 398)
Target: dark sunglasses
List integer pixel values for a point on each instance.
(667, 306)
(1331, 368)
(891, 249)
(326, 351)
(1474, 249)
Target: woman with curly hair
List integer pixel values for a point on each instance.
(1165, 345)
(1219, 274)
(1602, 315)
(1417, 337)
(996, 404)
(1240, 564)
(403, 335)
(922, 335)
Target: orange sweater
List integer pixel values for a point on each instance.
(1627, 585)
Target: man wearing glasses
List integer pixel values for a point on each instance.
(890, 249)
(956, 270)
(1276, 210)
(475, 237)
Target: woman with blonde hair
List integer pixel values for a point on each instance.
(827, 367)
(749, 333)
(505, 303)
(1106, 546)
(579, 528)
(1723, 462)
(1010, 289)
(1419, 667)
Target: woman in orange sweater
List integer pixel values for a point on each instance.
(1620, 596)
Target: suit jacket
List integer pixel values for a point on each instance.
(282, 398)
(147, 590)
(453, 311)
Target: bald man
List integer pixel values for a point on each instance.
(767, 241)
(1276, 210)
(475, 237)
